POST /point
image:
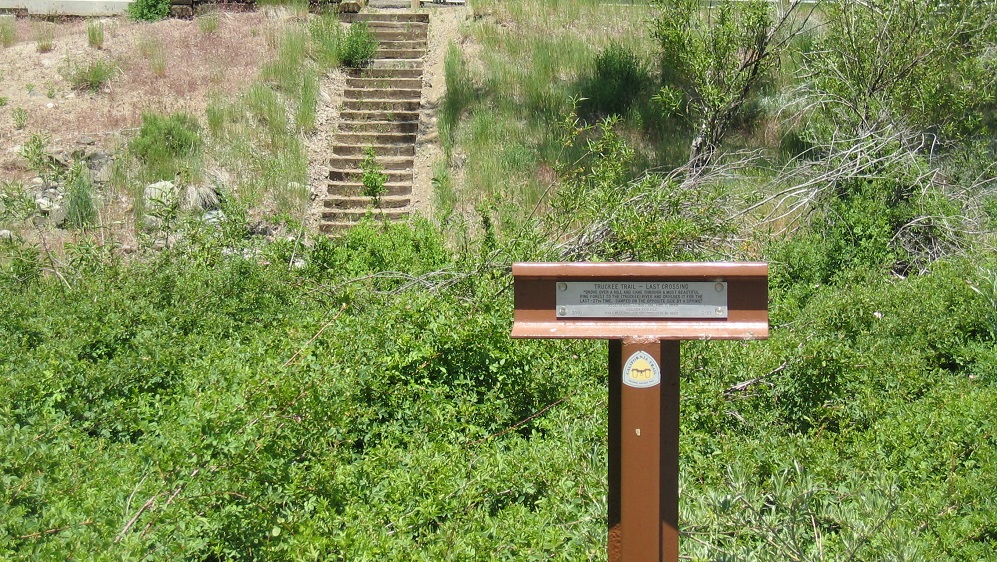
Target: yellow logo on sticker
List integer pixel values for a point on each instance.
(641, 371)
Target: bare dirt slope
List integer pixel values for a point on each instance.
(170, 66)
(162, 67)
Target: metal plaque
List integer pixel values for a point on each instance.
(641, 299)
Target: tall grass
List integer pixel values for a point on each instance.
(152, 49)
(326, 35)
(8, 33)
(208, 23)
(460, 95)
(95, 33)
(91, 76)
(505, 116)
(81, 207)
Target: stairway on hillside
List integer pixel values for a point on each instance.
(380, 110)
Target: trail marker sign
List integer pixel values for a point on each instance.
(644, 310)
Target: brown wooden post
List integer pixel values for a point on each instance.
(644, 310)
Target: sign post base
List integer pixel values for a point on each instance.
(643, 454)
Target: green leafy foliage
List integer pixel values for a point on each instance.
(149, 10)
(621, 78)
(15, 203)
(358, 398)
(165, 145)
(358, 46)
(372, 177)
(862, 87)
(19, 117)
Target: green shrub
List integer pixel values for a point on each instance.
(149, 10)
(15, 203)
(165, 145)
(620, 79)
(92, 76)
(373, 177)
(358, 46)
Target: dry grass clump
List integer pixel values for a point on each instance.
(44, 36)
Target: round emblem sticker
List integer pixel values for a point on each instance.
(641, 371)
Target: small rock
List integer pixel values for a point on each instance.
(62, 157)
(57, 216)
(101, 174)
(50, 105)
(45, 205)
(160, 194)
(86, 140)
(150, 222)
(213, 217)
(6, 235)
(200, 198)
(37, 181)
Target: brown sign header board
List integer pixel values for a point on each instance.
(665, 301)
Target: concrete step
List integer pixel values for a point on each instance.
(357, 215)
(355, 189)
(380, 105)
(66, 7)
(402, 44)
(380, 17)
(412, 28)
(388, 163)
(391, 4)
(408, 127)
(388, 34)
(359, 94)
(399, 54)
(361, 202)
(379, 149)
(351, 176)
(398, 64)
(385, 83)
(365, 139)
(393, 116)
(410, 73)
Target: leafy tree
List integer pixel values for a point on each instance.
(923, 66)
(713, 57)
